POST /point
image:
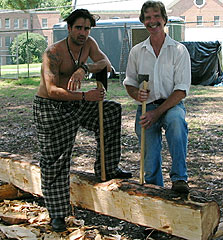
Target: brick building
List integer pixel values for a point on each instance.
(14, 22)
(203, 18)
(199, 13)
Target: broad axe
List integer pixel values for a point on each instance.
(102, 82)
(143, 78)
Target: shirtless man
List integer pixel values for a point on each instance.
(60, 108)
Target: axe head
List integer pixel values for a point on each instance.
(102, 77)
(143, 77)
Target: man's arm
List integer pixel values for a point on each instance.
(50, 77)
(98, 57)
(140, 95)
(152, 116)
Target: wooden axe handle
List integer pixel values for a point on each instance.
(102, 151)
(145, 86)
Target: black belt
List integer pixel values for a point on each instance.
(158, 101)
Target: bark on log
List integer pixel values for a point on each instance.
(147, 205)
(10, 192)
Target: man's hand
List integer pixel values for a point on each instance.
(149, 118)
(74, 82)
(143, 95)
(96, 94)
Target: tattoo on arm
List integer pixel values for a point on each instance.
(54, 60)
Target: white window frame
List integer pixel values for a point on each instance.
(0, 23)
(200, 23)
(217, 21)
(46, 38)
(44, 22)
(7, 23)
(16, 23)
(183, 17)
(199, 6)
(25, 23)
(10, 40)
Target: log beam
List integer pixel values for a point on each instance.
(146, 205)
(10, 192)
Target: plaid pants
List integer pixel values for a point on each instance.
(57, 123)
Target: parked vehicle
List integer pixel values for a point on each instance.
(115, 37)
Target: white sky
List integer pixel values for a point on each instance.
(92, 5)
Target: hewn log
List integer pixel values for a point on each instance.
(9, 191)
(146, 205)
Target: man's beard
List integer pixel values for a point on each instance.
(78, 42)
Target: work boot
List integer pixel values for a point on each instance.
(121, 174)
(58, 224)
(180, 186)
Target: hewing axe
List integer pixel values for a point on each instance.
(143, 78)
(102, 81)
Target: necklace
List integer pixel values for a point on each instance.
(76, 62)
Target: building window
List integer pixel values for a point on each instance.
(8, 60)
(216, 20)
(199, 3)
(7, 41)
(25, 23)
(46, 38)
(183, 17)
(16, 23)
(44, 23)
(7, 23)
(0, 41)
(199, 20)
(0, 23)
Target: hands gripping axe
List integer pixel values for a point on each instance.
(102, 81)
(143, 78)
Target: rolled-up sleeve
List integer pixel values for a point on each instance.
(182, 72)
(131, 70)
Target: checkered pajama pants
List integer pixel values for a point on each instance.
(57, 123)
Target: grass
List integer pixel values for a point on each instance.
(21, 66)
(26, 88)
(11, 71)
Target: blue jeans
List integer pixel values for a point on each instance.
(176, 132)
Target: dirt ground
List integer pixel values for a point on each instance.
(205, 152)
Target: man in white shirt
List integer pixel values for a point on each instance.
(167, 62)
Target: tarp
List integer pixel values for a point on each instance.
(205, 62)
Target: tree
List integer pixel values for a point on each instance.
(19, 4)
(65, 11)
(65, 6)
(30, 49)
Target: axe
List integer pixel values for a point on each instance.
(143, 78)
(102, 81)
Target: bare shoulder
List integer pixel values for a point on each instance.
(55, 51)
(91, 42)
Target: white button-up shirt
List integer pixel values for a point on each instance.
(168, 72)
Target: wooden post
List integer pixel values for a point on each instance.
(142, 155)
(102, 150)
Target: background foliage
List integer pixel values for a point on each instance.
(64, 6)
(36, 45)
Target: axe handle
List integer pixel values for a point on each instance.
(145, 86)
(102, 155)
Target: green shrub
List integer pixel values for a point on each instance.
(30, 49)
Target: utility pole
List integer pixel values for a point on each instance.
(74, 4)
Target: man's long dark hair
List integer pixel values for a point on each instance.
(154, 5)
(80, 13)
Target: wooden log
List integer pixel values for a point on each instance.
(146, 205)
(9, 191)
